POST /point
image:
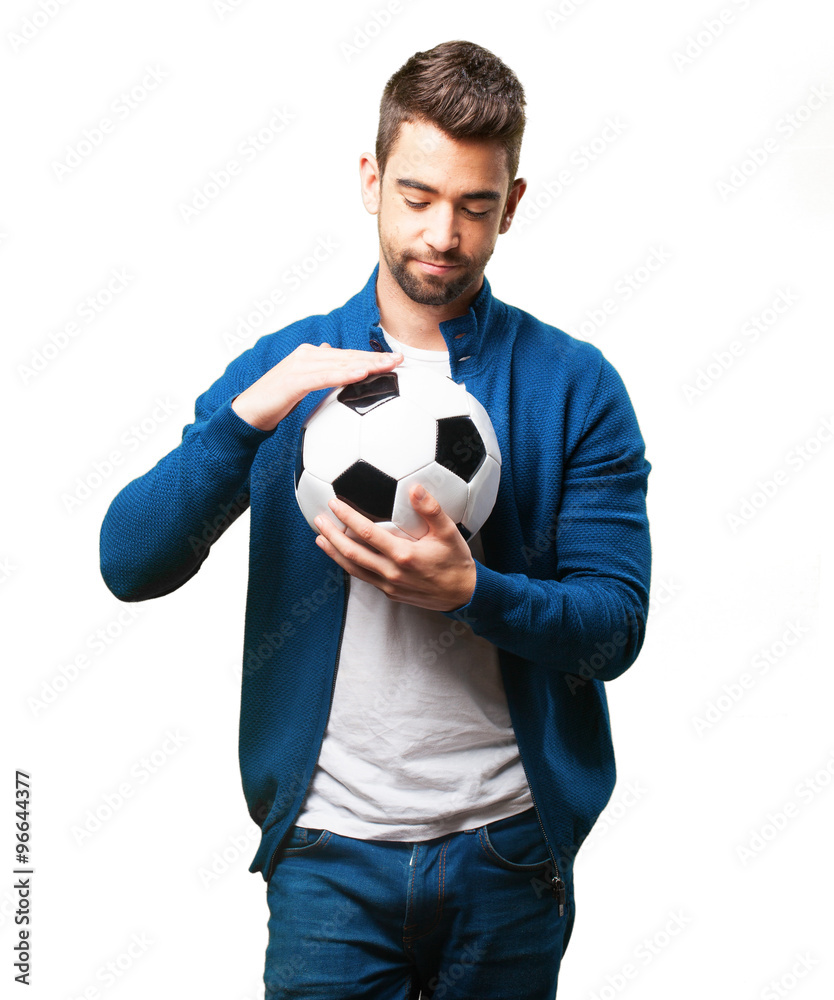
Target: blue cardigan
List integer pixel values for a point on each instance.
(562, 592)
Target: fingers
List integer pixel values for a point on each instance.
(351, 355)
(373, 539)
(325, 366)
(309, 367)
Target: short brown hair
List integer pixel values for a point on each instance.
(463, 89)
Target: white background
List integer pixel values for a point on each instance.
(697, 106)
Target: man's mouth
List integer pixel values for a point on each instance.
(435, 268)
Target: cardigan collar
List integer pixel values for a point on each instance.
(467, 336)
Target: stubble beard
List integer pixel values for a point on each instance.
(430, 289)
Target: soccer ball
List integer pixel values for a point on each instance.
(368, 442)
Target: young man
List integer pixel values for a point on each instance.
(424, 735)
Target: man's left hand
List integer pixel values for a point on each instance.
(436, 571)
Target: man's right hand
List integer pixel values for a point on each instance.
(266, 402)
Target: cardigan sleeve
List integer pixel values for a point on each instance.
(590, 618)
(159, 528)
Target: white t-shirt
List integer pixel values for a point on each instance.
(419, 742)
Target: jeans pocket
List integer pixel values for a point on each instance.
(516, 843)
(301, 838)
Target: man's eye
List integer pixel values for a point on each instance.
(469, 212)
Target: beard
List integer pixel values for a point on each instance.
(431, 289)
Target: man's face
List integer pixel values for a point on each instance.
(441, 206)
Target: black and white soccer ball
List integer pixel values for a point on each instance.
(369, 442)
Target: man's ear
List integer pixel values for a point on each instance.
(371, 182)
(516, 191)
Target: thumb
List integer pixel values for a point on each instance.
(425, 503)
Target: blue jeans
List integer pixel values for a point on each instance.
(466, 916)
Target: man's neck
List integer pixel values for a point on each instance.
(414, 324)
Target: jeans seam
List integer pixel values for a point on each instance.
(414, 857)
(409, 987)
(438, 913)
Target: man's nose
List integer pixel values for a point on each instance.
(441, 232)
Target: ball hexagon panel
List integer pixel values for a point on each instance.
(450, 491)
(438, 395)
(331, 440)
(482, 493)
(398, 438)
(313, 496)
(387, 526)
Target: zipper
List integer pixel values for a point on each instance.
(557, 886)
(377, 346)
(346, 579)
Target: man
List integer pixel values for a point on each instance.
(424, 734)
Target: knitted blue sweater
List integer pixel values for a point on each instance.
(562, 591)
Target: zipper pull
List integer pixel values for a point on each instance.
(558, 888)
